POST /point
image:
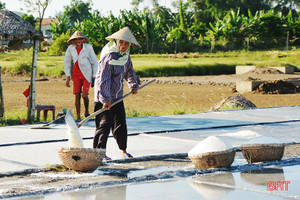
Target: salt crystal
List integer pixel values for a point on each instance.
(75, 139)
(210, 144)
(264, 140)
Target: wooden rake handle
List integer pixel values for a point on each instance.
(114, 103)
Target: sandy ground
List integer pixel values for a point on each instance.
(226, 80)
(166, 95)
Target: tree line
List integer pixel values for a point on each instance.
(195, 25)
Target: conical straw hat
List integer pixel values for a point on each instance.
(77, 35)
(124, 34)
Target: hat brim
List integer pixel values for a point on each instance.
(124, 34)
(70, 40)
(133, 43)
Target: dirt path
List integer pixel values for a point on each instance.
(225, 80)
(168, 95)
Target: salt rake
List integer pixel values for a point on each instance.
(45, 126)
(70, 119)
(76, 153)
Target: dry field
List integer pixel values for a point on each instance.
(170, 95)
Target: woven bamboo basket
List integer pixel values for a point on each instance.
(262, 152)
(213, 159)
(81, 159)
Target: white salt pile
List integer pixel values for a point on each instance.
(75, 139)
(264, 140)
(210, 144)
(244, 134)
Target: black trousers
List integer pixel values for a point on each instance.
(114, 120)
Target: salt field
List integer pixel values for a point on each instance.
(186, 183)
(161, 168)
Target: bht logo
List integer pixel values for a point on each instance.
(274, 185)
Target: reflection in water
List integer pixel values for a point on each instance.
(263, 176)
(106, 193)
(208, 187)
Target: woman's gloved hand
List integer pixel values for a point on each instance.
(93, 82)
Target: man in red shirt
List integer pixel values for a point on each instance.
(81, 64)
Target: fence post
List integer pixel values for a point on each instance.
(212, 44)
(248, 42)
(1, 97)
(287, 40)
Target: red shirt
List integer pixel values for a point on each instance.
(77, 74)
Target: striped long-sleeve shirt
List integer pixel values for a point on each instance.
(109, 79)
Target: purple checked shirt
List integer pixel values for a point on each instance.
(109, 79)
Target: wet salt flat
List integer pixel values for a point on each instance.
(248, 181)
(161, 135)
(238, 135)
(170, 190)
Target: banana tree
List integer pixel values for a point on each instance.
(292, 25)
(214, 32)
(232, 29)
(270, 30)
(96, 28)
(149, 27)
(249, 24)
(61, 26)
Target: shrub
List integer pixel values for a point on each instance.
(22, 68)
(178, 34)
(60, 45)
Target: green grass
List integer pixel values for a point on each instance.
(13, 118)
(171, 110)
(232, 108)
(258, 58)
(14, 61)
(154, 65)
(137, 113)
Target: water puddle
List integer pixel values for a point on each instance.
(167, 190)
(277, 180)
